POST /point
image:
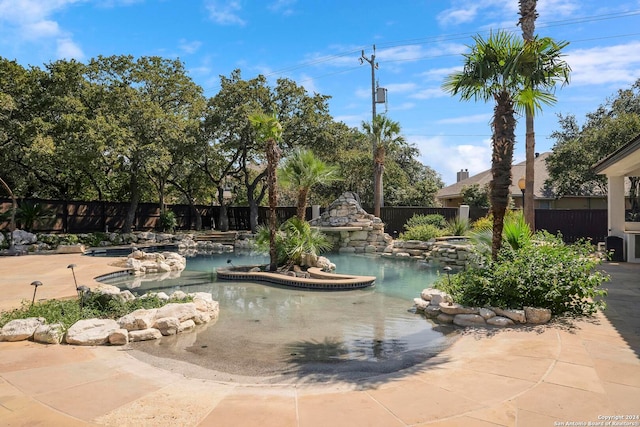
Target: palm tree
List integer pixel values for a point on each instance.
(513, 74)
(386, 133)
(301, 171)
(269, 130)
(527, 22)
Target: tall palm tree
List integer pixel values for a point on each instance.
(386, 133)
(301, 171)
(527, 23)
(516, 76)
(269, 130)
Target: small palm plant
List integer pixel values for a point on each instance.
(294, 239)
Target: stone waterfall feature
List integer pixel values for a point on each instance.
(351, 228)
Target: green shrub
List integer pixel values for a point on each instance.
(67, 312)
(168, 221)
(294, 238)
(543, 272)
(423, 232)
(457, 227)
(436, 220)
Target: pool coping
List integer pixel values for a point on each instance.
(319, 279)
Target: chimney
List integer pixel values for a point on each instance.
(537, 154)
(462, 175)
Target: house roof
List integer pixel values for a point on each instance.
(483, 178)
(625, 161)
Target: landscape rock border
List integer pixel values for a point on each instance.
(140, 325)
(438, 305)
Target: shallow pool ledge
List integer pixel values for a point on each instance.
(319, 279)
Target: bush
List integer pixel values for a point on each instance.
(543, 273)
(423, 232)
(168, 221)
(436, 220)
(457, 227)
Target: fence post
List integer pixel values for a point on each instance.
(463, 213)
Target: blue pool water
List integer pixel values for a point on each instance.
(275, 332)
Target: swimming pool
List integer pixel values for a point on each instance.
(274, 333)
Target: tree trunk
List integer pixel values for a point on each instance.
(379, 172)
(223, 217)
(133, 205)
(527, 23)
(502, 157)
(301, 208)
(273, 156)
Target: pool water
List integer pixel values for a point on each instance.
(276, 332)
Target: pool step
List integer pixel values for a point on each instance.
(223, 237)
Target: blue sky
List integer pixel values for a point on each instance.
(318, 44)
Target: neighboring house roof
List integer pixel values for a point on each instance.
(517, 171)
(625, 161)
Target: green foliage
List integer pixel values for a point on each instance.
(67, 312)
(475, 196)
(543, 272)
(29, 214)
(436, 220)
(423, 232)
(516, 232)
(294, 239)
(168, 221)
(457, 227)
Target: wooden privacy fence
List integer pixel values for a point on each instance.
(85, 217)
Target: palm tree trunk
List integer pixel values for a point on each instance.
(527, 22)
(504, 124)
(273, 156)
(379, 172)
(301, 208)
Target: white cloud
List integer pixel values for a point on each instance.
(447, 158)
(429, 93)
(605, 65)
(284, 7)
(189, 47)
(476, 118)
(30, 21)
(67, 49)
(400, 87)
(439, 74)
(225, 12)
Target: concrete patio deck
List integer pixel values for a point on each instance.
(571, 372)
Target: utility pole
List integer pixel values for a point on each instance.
(374, 67)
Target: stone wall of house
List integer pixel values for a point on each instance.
(351, 228)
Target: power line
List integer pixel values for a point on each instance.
(442, 38)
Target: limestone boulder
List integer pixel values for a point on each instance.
(436, 296)
(537, 315)
(468, 320)
(49, 334)
(119, 337)
(486, 313)
(105, 289)
(20, 329)
(455, 308)
(22, 237)
(500, 321)
(186, 325)
(203, 317)
(179, 295)
(182, 311)
(420, 304)
(432, 311)
(167, 325)
(138, 320)
(445, 318)
(144, 335)
(91, 331)
(515, 315)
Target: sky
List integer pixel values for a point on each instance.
(319, 45)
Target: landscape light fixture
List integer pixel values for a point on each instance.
(35, 284)
(72, 266)
(448, 270)
(82, 291)
(522, 185)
